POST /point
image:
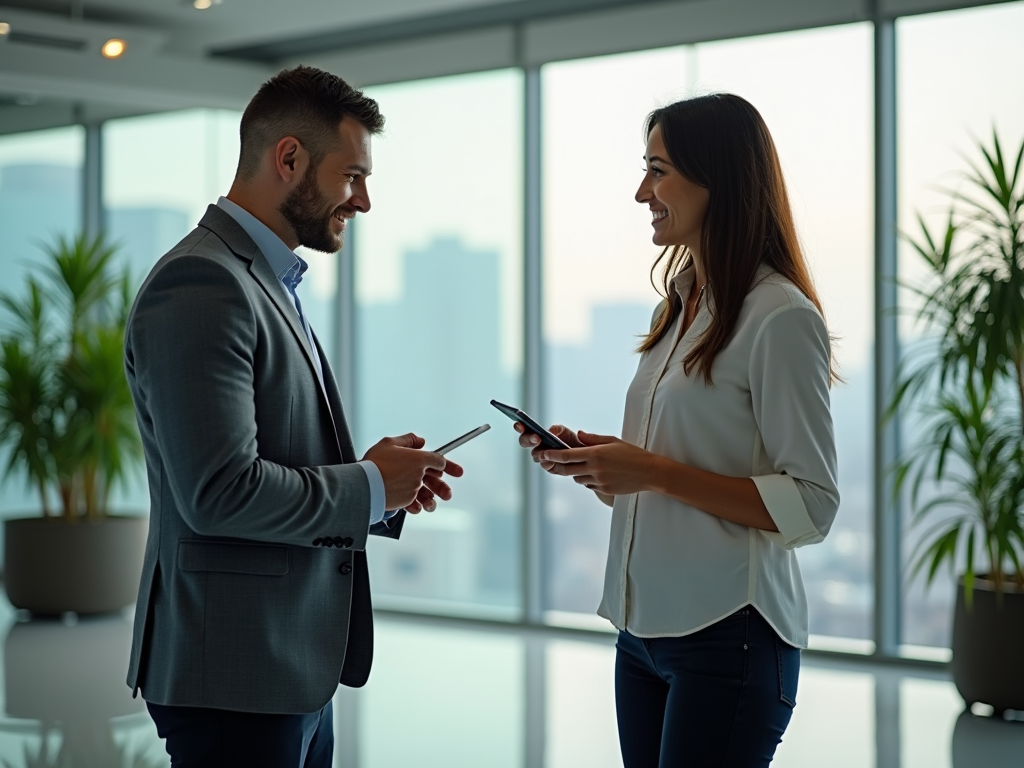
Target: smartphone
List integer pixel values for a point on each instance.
(462, 440)
(531, 425)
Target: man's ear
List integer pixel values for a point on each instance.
(290, 159)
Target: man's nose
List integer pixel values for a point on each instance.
(361, 200)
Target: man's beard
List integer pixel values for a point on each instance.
(308, 213)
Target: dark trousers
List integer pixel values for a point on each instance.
(719, 698)
(215, 738)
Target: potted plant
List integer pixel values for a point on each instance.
(965, 382)
(68, 423)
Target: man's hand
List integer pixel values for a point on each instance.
(412, 477)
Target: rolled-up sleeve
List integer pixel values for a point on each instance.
(789, 386)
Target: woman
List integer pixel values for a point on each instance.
(727, 461)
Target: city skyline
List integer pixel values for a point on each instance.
(468, 280)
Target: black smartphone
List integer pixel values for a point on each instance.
(531, 425)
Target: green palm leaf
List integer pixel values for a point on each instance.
(66, 413)
(966, 383)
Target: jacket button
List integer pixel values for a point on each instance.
(317, 542)
(338, 541)
(348, 541)
(345, 569)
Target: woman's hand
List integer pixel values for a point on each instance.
(611, 467)
(605, 464)
(531, 440)
(570, 438)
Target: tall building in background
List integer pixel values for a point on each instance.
(434, 364)
(446, 313)
(587, 390)
(588, 382)
(39, 202)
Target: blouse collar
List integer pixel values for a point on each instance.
(683, 281)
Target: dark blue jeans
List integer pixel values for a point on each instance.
(719, 698)
(215, 738)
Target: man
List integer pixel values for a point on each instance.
(255, 598)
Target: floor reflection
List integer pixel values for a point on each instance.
(473, 696)
(985, 742)
(65, 700)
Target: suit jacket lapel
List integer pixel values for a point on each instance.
(231, 232)
(337, 408)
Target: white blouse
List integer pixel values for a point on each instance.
(673, 569)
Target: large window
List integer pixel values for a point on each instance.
(159, 174)
(598, 255)
(959, 78)
(438, 329)
(40, 200)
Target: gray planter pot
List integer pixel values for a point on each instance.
(988, 665)
(52, 566)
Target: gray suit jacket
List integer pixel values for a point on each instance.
(251, 472)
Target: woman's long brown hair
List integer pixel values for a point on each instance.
(721, 142)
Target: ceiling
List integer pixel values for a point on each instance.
(179, 57)
(246, 24)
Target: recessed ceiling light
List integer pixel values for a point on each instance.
(204, 5)
(5, 28)
(114, 48)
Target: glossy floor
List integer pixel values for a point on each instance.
(449, 694)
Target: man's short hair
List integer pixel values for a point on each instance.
(306, 103)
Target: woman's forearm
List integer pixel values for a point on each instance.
(732, 498)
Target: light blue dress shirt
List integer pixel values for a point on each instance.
(289, 268)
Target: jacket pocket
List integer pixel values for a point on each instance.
(222, 557)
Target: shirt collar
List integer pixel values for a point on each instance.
(683, 281)
(288, 267)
